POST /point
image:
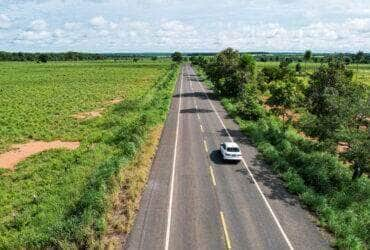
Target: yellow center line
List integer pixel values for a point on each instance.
(205, 145)
(228, 243)
(212, 176)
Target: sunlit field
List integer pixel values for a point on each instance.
(361, 71)
(58, 196)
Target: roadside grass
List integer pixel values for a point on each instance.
(61, 198)
(126, 193)
(319, 178)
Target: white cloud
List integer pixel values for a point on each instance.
(176, 34)
(59, 33)
(98, 22)
(204, 25)
(358, 24)
(5, 22)
(72, 25)
(38, 25)
(35, 35)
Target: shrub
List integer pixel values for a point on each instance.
(294, 182)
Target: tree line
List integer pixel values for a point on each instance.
(44, 57)
(349, 58)
(74, 56)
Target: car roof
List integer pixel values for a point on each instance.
(231, 145)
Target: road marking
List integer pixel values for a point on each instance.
(212, 176)
(205, 145)
(196, 106)
(198, 116)
(227, 239)
(251, 174)
(201, 128)
(169, 213)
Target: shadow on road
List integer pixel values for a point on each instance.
(216, 158)
(237, 135)
(264, 175)
(197, 94)
(193, 110)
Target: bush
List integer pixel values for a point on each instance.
(294, 182)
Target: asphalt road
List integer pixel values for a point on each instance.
(194, 200)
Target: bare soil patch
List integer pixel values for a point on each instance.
(342, 147)
(20, 152)
(114, 101)
(97, 112)
(290, 114)
(89, 114)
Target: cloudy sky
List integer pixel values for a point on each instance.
(168, 25)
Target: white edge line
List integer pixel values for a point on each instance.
(251, 174)
(169, 211)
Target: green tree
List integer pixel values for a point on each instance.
(154, 58)
(230, 72)
(176, 57)
(249, 105)
(43, 58)
(270, 73)
(284, 72)
(222, 70)
(333, 99)
(307, 57)
(248, 64)
(298, 68)
(285, 95)
(198, 60)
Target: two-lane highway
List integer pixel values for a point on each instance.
(194, 200)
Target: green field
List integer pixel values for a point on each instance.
(361, 72)
(59, 196)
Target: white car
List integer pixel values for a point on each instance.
(230, 151)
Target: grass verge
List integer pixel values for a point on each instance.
(125, 196)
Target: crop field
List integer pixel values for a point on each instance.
(361, 72)
(59, 196)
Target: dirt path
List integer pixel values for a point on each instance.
(21, 152)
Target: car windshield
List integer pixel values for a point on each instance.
(233, 149)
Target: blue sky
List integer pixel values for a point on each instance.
(168, 25)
